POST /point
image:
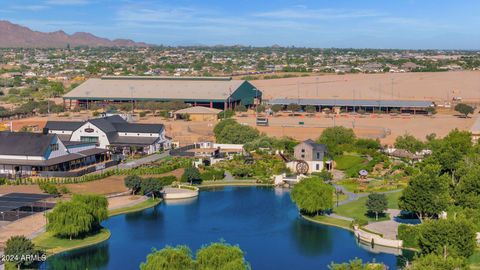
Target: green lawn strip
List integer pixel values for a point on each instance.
(357, 209)
(137, 207)
(474, 260)
(345, 162)
(330, 221)
(54, 245)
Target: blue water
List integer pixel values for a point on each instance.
(263, 221)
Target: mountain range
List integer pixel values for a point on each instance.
(17, 36)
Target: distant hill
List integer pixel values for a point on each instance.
(17, 36)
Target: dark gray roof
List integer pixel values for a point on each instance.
(357, 103)
(316, 146)
(63, 125)
(133, 140)
(140, 128)
(24, 143)
(76, 143)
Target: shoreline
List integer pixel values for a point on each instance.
(43, 239)
(238, 183)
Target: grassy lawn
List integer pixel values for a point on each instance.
(138, 207)
(474, 260)
(330, 221)
(54, 245)
(345, 162)
(357, 209)
(376, 185)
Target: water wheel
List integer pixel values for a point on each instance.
(302, 167)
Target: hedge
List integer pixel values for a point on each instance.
(409, 234)
(212, 174)
(164, 167)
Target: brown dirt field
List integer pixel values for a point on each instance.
(4, 189)
(372, 126)
(431, 86)
(110, 185)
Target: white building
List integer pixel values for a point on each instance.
(113, 133)
(27, 154)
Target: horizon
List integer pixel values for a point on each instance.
(372, 24)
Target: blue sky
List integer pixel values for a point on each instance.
(411, 24)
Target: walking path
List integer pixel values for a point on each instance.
(144, 160)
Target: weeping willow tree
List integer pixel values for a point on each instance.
(70, 219)
(82, 215)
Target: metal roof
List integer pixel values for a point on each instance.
(154, 89)
(24, 143)
(198, 110)
(357, 103)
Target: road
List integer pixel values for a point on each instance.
(144, 160)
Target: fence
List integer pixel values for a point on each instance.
(91, 169)
(183, 151)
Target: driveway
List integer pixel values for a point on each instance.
(144, 160)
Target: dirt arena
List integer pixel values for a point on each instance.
(384, 127)
(432, 86)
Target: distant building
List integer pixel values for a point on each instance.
(198, 113)
(310, 153)
(113, 133)
(30, 154)
(213, 92)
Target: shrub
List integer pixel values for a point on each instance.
(142, 114)
(64, 190)
(49, 188)
(409, 235)
(212, 174)
(191, 174)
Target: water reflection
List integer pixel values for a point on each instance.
(181, 201)
(311, 239)
(96, 257)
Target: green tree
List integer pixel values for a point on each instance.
(294, 107)
(237, 134)
(276, 108)
(447, 237)
(240, 108)
(449, 151)
(219, 256)
(336, 138)
(222, 124)
(310, 109)
(312, 195)
(70, 219)
(437, 262)
(21, 249)
(377, 203)
(169, 258)
(152, 186)
(97, 206)
(464, 109)
(409, 143)
(133, 182)
(427, 193)
(191, 174)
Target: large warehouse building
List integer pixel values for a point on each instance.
(402, 106)
(213, 92)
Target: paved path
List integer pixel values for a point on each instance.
(144, 160)
(228, 176)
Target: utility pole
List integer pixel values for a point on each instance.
(317, 86)
(131, 94)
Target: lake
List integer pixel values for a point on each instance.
(264, 222)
